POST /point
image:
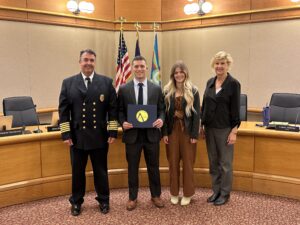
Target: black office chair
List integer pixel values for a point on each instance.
(243, 107)
(285, 107)
(22, 109)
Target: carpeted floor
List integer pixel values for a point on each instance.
(242, 209)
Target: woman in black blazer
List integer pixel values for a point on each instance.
(220, 119)
(181, 130)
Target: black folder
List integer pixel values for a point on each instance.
(142, 116)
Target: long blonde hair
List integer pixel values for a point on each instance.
(188, 87)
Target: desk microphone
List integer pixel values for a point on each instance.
(38, 130)
(297, 118)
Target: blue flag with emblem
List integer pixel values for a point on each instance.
(155, 69)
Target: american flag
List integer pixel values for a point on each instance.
(123, 63)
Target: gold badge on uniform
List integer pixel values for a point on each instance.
(101, 98)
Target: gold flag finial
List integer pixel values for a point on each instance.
(122, 20)
(155, 26)
(137, 26)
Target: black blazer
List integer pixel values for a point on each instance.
(126, 95)
(221, 110)
(191, 123)
(83, 113)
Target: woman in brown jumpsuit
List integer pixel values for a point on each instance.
(181, 130)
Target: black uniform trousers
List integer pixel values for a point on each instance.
(79, 158)
(133, 155)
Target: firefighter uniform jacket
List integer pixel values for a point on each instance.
(84, 112)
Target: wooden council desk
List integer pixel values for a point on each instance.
(36, 166)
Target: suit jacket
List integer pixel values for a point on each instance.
(221, 110)
(126, 95)
(83, 113)
(191, 123)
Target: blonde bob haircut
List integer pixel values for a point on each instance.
(222, 55)
(188, 88)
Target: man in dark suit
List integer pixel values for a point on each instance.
(85, 102)
(141, 91)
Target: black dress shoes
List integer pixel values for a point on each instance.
(221, 200)
(104, 208)
(213, 197)
(75, 209)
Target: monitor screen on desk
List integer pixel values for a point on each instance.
(6, 122)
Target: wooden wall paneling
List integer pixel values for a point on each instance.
(278, 15)
(104, 9)
(50, 19)
(182, 25)
(201, 155)
(173, 9)
(277, 156)
(242, 182)
(20, 195)
(93, 24)
(14, 3)
(276, 188)
(104, 25)
(56, 188)
(144, 182)
(227, 6)
(19, 162)
(12, 15)
(262, 4)
(118, 180)
(85, 23)
(202, 178)
(163, 161)
(138, 10)
(55, 156)
(117, 155)
(244, 154)
(226, 20)
(59, 6)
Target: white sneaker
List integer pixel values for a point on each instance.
(185, 200)
(174, 199)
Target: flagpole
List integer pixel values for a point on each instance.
(155, 27)
(155, 69)
(137, 26)
(122, 20)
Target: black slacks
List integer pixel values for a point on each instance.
(133, 155)
(79, 159)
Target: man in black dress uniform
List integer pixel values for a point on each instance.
(86, 101)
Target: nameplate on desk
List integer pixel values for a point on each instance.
(287, 128)
(5, 133)
(53, 128)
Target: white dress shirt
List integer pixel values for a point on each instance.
(84, 76)
(145, 90)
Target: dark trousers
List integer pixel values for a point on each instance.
(133, 155)
(79, 159)
(220, 156)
